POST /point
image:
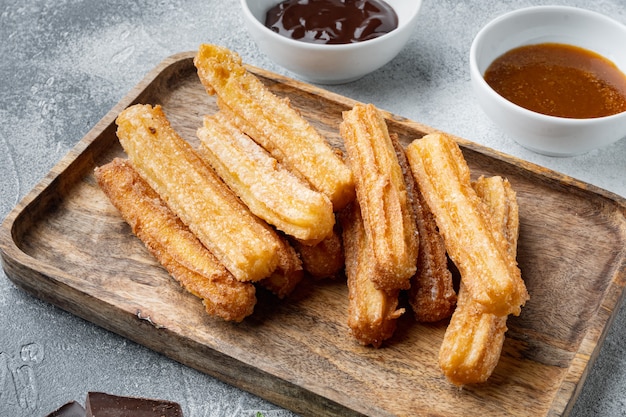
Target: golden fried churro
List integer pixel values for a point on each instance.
(288, 273)
(473, 340)
(488, 270)
(274, 124)
(431, 296)
(372, 313)
(496, 192)
(381, 192)
(269, 190)
(325, 259)
(173, 245)
(472, 343)
(243, 243)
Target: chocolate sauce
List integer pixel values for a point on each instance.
(332, 21)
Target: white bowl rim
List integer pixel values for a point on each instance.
(336, 47)
(528, 10)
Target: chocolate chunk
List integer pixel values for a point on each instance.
(99, 404)
(71, 409)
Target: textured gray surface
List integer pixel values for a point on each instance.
(65, 63)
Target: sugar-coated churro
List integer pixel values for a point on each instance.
(288, 273)
(479, 251)
(324, 260)
(432, 296)
(387, 213)
(173, 245)
(273, 123)
(372, 313)
(268, 189)
(473, 340)
(242, 242)
(501, 200)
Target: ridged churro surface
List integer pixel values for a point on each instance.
(173, 245)
(473, 341)
(325, 259)
(268, 189)
(372, 313)
(273, 123)
(432, 296)
(243, 243)
(387, 213)
(479, 250)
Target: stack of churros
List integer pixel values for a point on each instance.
(173, 244)
(479, 223)
(268, 189)
(264, 199)
(473, 340)
(274, 124)
(380, 231)
(478, 248)
(239, 211)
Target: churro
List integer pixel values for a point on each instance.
(387, 213)
(479, 251)
(173, 245)
(287, 274)
(372, 313)
(242, 242)
(324, 260)
(268, 189)
(473, 340)
(274, 124)
(432, 296)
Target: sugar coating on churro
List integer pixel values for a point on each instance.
(268, 189)
(387, 213)
(372, 313)
(173, 244)
(432, 296)
(473, 340)
(242, 242)
(273, 123)
(479, 250)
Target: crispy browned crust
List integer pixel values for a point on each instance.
(288, 273)
(243, 243)
(324, 260)
(473, 341)
(489, 272)
(387, 213)
(432, 296)
(173, 245)
(268, 189)
(273, 123)
(372, 313)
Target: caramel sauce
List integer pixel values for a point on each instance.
(559, 80)
(332, 21)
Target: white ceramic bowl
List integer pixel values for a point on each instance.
(548, 135)
(330, 64)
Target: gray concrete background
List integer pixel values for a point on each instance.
(65, 63)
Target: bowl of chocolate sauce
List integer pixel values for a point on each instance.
(331, 41)
(553, 78)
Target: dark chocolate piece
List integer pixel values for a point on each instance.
(71, 409)
(99, 404)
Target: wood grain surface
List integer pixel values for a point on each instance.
(65, 243)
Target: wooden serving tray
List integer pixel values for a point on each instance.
(66, 244)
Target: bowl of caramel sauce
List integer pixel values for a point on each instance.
(553, 78)
(330, 41)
